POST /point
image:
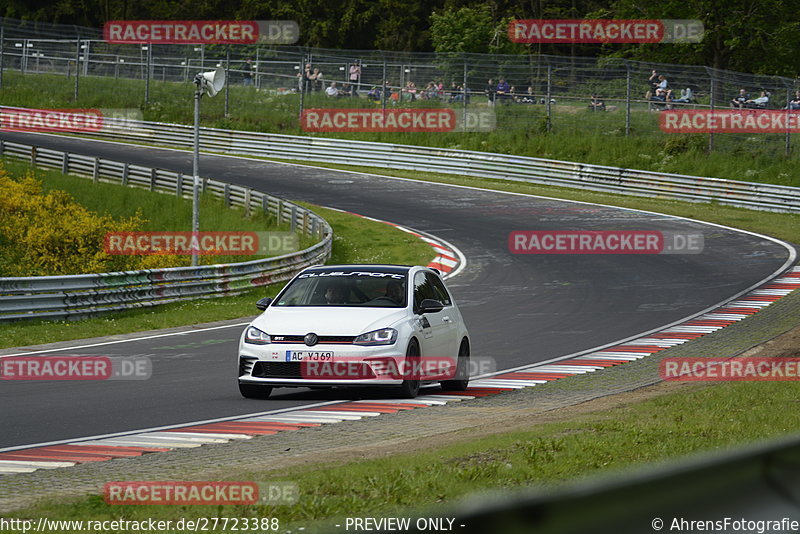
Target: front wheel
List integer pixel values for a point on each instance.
(460, 381)
(409, 389)
(254, 391)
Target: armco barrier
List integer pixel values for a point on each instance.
(463, 162)
(61, 297)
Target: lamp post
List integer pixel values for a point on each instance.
(209, 83)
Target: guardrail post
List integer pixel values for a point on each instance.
(96, 170)
(279, 212)
(179, 185)
(293, 221)
(314, 227)
(265, 204)
(153, 178)
(227, 195)
(125, 171)
(247, 198)
(2, 147)
(304, 230)
(65, 163)
(33, 155)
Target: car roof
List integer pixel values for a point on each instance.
(393, 269)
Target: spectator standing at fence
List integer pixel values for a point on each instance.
(490, 91)
(740, 100)
(305, 78)
(247, 72)
(317, 80)
(355, 75)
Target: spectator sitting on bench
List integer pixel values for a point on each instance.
(502, 91)
(758, 103)
(739, 100)
(794, 103)
(332, 90)
(596, 104)
(528, 97)
(686, 97)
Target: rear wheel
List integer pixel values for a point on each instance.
(461, 380)
(254, 391)
(410, 386)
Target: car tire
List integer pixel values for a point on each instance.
(462, 370)
(254, 391)
(409, 389)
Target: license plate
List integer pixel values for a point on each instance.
(308, 355)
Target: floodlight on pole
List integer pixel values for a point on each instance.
(209, 83)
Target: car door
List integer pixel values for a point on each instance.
(449, 315)
(435, 326)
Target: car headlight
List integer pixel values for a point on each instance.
(254, 336)
(384, 336)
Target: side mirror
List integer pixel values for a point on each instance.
(430, 306)
(263, 303)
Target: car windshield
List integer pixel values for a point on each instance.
(346, 288)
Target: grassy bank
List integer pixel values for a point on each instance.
(577, 134)
(356, 240)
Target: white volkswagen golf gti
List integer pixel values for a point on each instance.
(356, 325)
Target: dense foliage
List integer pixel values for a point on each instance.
(759, 36)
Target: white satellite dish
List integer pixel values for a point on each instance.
(211, 82)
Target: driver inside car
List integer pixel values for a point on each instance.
(394, 290)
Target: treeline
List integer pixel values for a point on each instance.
(759, 36)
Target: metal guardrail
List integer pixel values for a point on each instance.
(605, 179)
(61, 297)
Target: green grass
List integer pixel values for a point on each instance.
(665, 428)
(356, 240)
(577, 133)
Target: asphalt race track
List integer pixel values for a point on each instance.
(520, 309)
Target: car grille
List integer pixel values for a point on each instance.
(322, 339)
(277, 370)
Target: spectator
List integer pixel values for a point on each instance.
(597, 104)
(355, 74)
(305, 78)
(332, 90)
(374, 94)
(490, 91)
(347, 90)
(653, 80)
(740, 100)
(662, 89)
(760, 102)
(794, 103)
(528, 97)
(502, 91)
(247, 72)
(316, 78)
(686, 96)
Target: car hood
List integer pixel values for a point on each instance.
(326, 321)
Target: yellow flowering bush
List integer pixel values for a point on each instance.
(51, 234)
